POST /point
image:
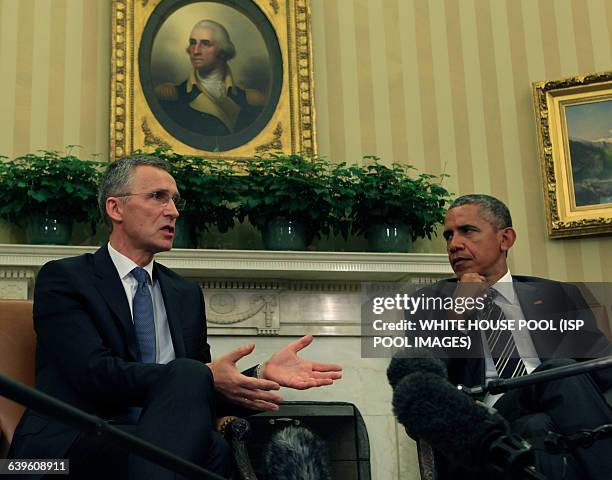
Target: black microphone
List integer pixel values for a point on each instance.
(421, 360)
(469, 433)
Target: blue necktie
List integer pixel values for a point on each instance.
(144, 324)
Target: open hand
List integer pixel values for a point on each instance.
(288, 370)
(248, 392)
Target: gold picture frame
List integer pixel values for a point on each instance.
(142, 118)
(574, 129)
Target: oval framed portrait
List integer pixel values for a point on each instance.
(211, 71)
(223, 78)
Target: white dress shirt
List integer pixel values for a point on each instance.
(164, 350)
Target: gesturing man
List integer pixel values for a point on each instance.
(479, 235)
(123, 337)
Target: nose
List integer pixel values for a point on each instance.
(454, 243)
(171, 210)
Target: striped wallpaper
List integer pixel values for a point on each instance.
(444, 85)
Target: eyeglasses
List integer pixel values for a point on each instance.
(162, 197)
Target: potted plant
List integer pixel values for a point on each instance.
(288, 198)
(210, 188)
(49, 191)
(391, 207)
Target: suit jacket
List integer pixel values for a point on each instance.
(86, 350)
(539, 299)
(543, 299)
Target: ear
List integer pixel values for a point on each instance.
(508, 237)
(114, 209)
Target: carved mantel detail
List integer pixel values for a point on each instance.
(258, 292)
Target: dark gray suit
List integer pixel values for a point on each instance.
(562, 405)
(86, 356)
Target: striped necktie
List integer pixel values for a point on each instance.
(503, 349)
(144, 324)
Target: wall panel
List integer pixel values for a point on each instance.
(444, 85)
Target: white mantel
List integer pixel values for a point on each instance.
(252, 292)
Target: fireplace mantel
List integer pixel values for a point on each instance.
(252, 292)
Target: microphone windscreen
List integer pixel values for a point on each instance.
(421, 360)
(432, 409)
(296, 453)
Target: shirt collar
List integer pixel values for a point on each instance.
(505, 288)
(192, 80)
(125, 265)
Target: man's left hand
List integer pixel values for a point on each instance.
(289, 370)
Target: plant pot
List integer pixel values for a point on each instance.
(184, 235)
(389, 238)
(284, 234)
(47, 230)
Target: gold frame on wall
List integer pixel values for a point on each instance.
(565, 217)
(291, 126)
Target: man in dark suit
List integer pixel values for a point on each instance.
(479, 234)
(124, 338)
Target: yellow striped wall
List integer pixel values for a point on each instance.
(444, 85)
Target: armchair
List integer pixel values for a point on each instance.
(17, 356)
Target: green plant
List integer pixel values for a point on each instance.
(291, 186)
(211, 189)
(379, 194)
(49, 183)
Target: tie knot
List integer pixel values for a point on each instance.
(490, 296)
(140, 274)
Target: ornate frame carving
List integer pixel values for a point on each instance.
(551, 98)
(291, 125)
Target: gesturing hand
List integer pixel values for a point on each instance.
(289, 370)
(245, 391)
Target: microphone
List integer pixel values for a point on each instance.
(296, 453)
(422, 361)
(469, 433)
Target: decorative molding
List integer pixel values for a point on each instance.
(273, 145)
(15, 282)
(274, 5)
(259, 292)
(20, 273)
(14, 290)
(257, 265)
(149, 138)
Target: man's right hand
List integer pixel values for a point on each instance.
(245, 391)
(470, 285)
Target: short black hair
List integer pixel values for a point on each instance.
(495, 211)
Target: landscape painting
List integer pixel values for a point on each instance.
(589, 127)
(574, 130)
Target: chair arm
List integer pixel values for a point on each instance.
(236, 430)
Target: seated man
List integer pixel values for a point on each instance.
(479, 234)
(124, 338)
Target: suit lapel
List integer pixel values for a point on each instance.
(109, 285)
(173, 305)
(537, 304)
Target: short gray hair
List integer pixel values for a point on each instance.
(495, 211)
(228, 50)
(118, 176)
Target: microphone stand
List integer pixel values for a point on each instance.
(557, 443)
(52, 407)
(502, 385)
